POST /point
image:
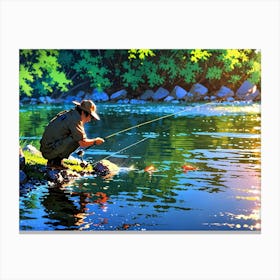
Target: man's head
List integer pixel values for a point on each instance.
(87, 108)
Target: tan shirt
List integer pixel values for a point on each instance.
(66, 123)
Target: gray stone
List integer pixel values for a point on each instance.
(230, 99)
(224, 93)
(121, 94)
(178, 92)
(123, 101)
(169, 98)
(147, 95)
(42, 99)
(199, 90)
(22, 177)
(189, 97)
(98, 96)
(245, 88)
(253, 96)
(31, 149)
(160, 94)
(213, 97)
(206, 98)
(49, 100)
(136, 101)
(55, 176)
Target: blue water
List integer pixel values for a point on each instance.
(222, 141)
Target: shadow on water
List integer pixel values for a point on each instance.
(222, 142)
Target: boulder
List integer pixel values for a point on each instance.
(189, 97)
(49, 100)
(22, 177)
(121, 94)
(230, 99)
(178, 93)
(123, 101)
(199, 91)
(42, 99)
(160, 94)
(224, 93)
(169, 98)
(98, 96)
(253, 96)
(246, 89)
(147, 95)
(32, 150)
(213, 97)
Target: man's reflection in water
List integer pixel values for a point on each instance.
(67, 213)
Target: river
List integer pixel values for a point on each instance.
(222, 141)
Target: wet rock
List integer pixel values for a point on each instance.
(98, 96)
(25, 100)
(32, 150)
(49, 100)
(160, 94)
(136, 101)
(125, 101)
(22, 177)
(224, 93)
(178, 93)
(230, 99)
(33, 101)
(42, 99)
(247, 91)
(189, 97)
(168, 98)
(213, 98)
(199, 91)
(147, 95)
(121, 94)
(54, 176)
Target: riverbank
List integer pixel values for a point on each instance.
(198, 93)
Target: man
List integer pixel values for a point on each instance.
(65, 133)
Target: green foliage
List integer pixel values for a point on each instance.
(214, 73)
(45, 72)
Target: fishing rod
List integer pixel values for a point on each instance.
(125, 148)
(80, 153)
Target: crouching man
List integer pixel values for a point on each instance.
(65, 133)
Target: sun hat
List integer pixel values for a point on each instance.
(88, 106)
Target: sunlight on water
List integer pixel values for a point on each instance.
(199, 170)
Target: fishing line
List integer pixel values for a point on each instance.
(125, 148)
(138, 125)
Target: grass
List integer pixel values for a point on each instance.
(34, 162)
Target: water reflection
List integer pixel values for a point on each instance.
(222, 192)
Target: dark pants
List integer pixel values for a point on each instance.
(60, 148)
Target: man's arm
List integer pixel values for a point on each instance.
(89, 142)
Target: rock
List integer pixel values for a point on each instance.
(25, 100)
(21, 159)
(54, 176)
(224, 93)
(230, 99)
(121, 94)
(32, 150)
(136, 101)
(160, 94)
(246, 89)
(147, 95)
(80, 95)
(49, 100)
(253, 96)
(42, 99)
(169, 98)
(206, 98)
(175, 101)
(70, 99)
(178, 92)
(213, 97)
(189, 97)
(98, 96)
(199, 91)
(125, 101)
(33, 101)
(22, 177)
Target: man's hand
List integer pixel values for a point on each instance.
(98, 141)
